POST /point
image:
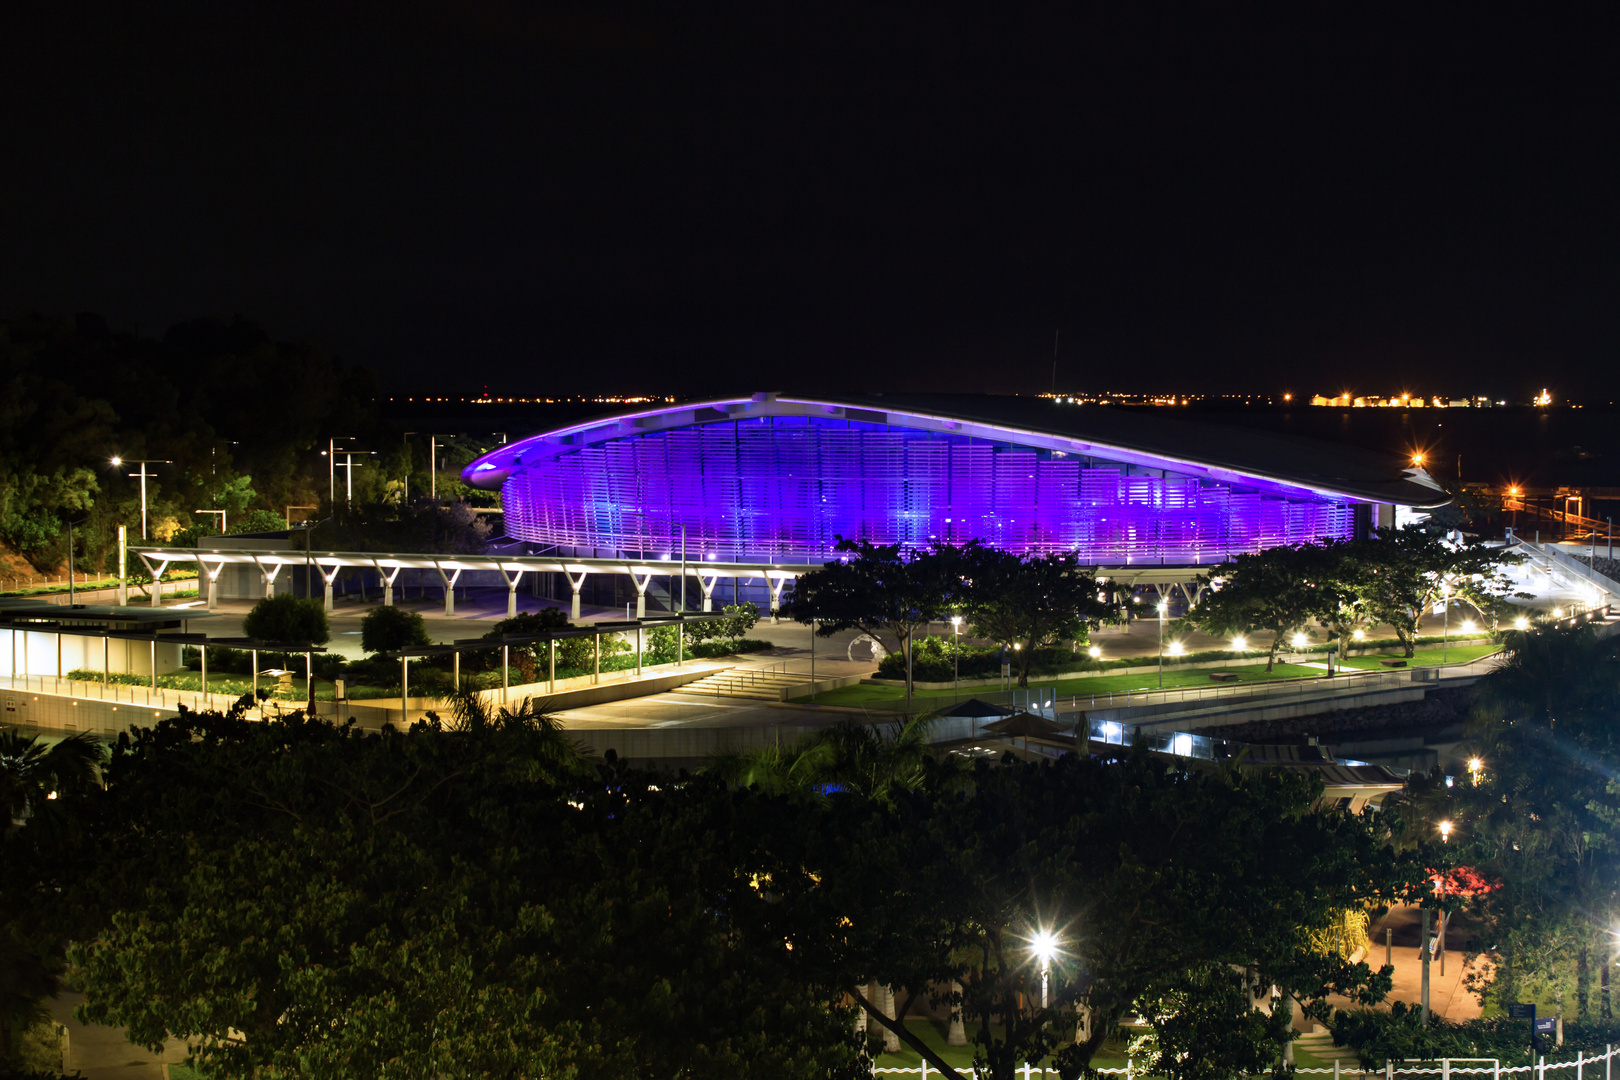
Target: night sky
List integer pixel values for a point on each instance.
(554, 199)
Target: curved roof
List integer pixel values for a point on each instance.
(1227, 454)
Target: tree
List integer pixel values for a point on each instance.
(462, 899)
(1152, 879)
(389, 629)
(1542, 814)
(1406, 570)
(287, 619)
(740, 618)
(1034, 601)
(1278, 590)
(881, 590)
(34, 774)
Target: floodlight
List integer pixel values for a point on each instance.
(1176, 648)
(1094, 652)
(1239, 643)
(1300, 640)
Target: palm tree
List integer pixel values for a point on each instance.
(34, 773)
(1567, 676)
(858, 758)
(544, 738)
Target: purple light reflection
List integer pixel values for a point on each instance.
(784, 488)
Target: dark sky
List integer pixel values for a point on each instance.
(551, 198)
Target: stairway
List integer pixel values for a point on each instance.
(1319, 1043)
(758, 684)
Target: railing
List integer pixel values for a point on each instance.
(118, 693)
(1445, 1068)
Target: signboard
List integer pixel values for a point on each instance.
(1521, 1011)
(1545, 1025)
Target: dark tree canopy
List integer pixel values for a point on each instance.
(287, 618)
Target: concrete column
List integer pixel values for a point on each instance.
(449, 588)
(213, 581)
(641, 584)
(331, 601)
(573, 611)
(707, 584)
(776, 595)
(388, 584)
(511, 592)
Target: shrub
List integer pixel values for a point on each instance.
(388, 629)
(287, 618)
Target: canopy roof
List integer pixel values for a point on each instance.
(1226, 454)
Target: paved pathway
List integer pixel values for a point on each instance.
(104, 1053)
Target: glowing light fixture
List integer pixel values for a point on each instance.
(1521, 623)
(1095, 652)
(1360, 635)
(1445, 831)
(1176, 648)
(1239, 643)
(1299, 641)
(1468, 626)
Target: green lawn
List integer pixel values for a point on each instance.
(1083, 685)
(1423, 657)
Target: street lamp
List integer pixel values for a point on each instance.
(1163, 606)
(143, 474)
(1095, 652)
(1239, 643)
(1044, 946)
(1474, 766)
(956, 654)
(1445, 831)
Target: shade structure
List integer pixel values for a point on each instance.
(976, 707)
(1027, 725)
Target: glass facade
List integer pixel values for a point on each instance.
(785, 488)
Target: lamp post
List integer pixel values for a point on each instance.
(1044, 946)
(1445, 625)
(956, 656)
(143, 474)
(331, 467)
(1164, 606)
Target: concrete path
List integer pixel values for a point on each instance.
(105, 1053)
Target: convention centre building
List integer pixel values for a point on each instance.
(775, 478)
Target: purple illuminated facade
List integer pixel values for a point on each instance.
(782, 486)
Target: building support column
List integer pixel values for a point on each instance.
(157, 578)
(213, 580)
(707, 584)
(511, 591)
(388, 582)
(449, 587)
(641, 582)
(776, 582)
(573, 611)
(331, 601)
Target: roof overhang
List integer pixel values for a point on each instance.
(492, 470)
